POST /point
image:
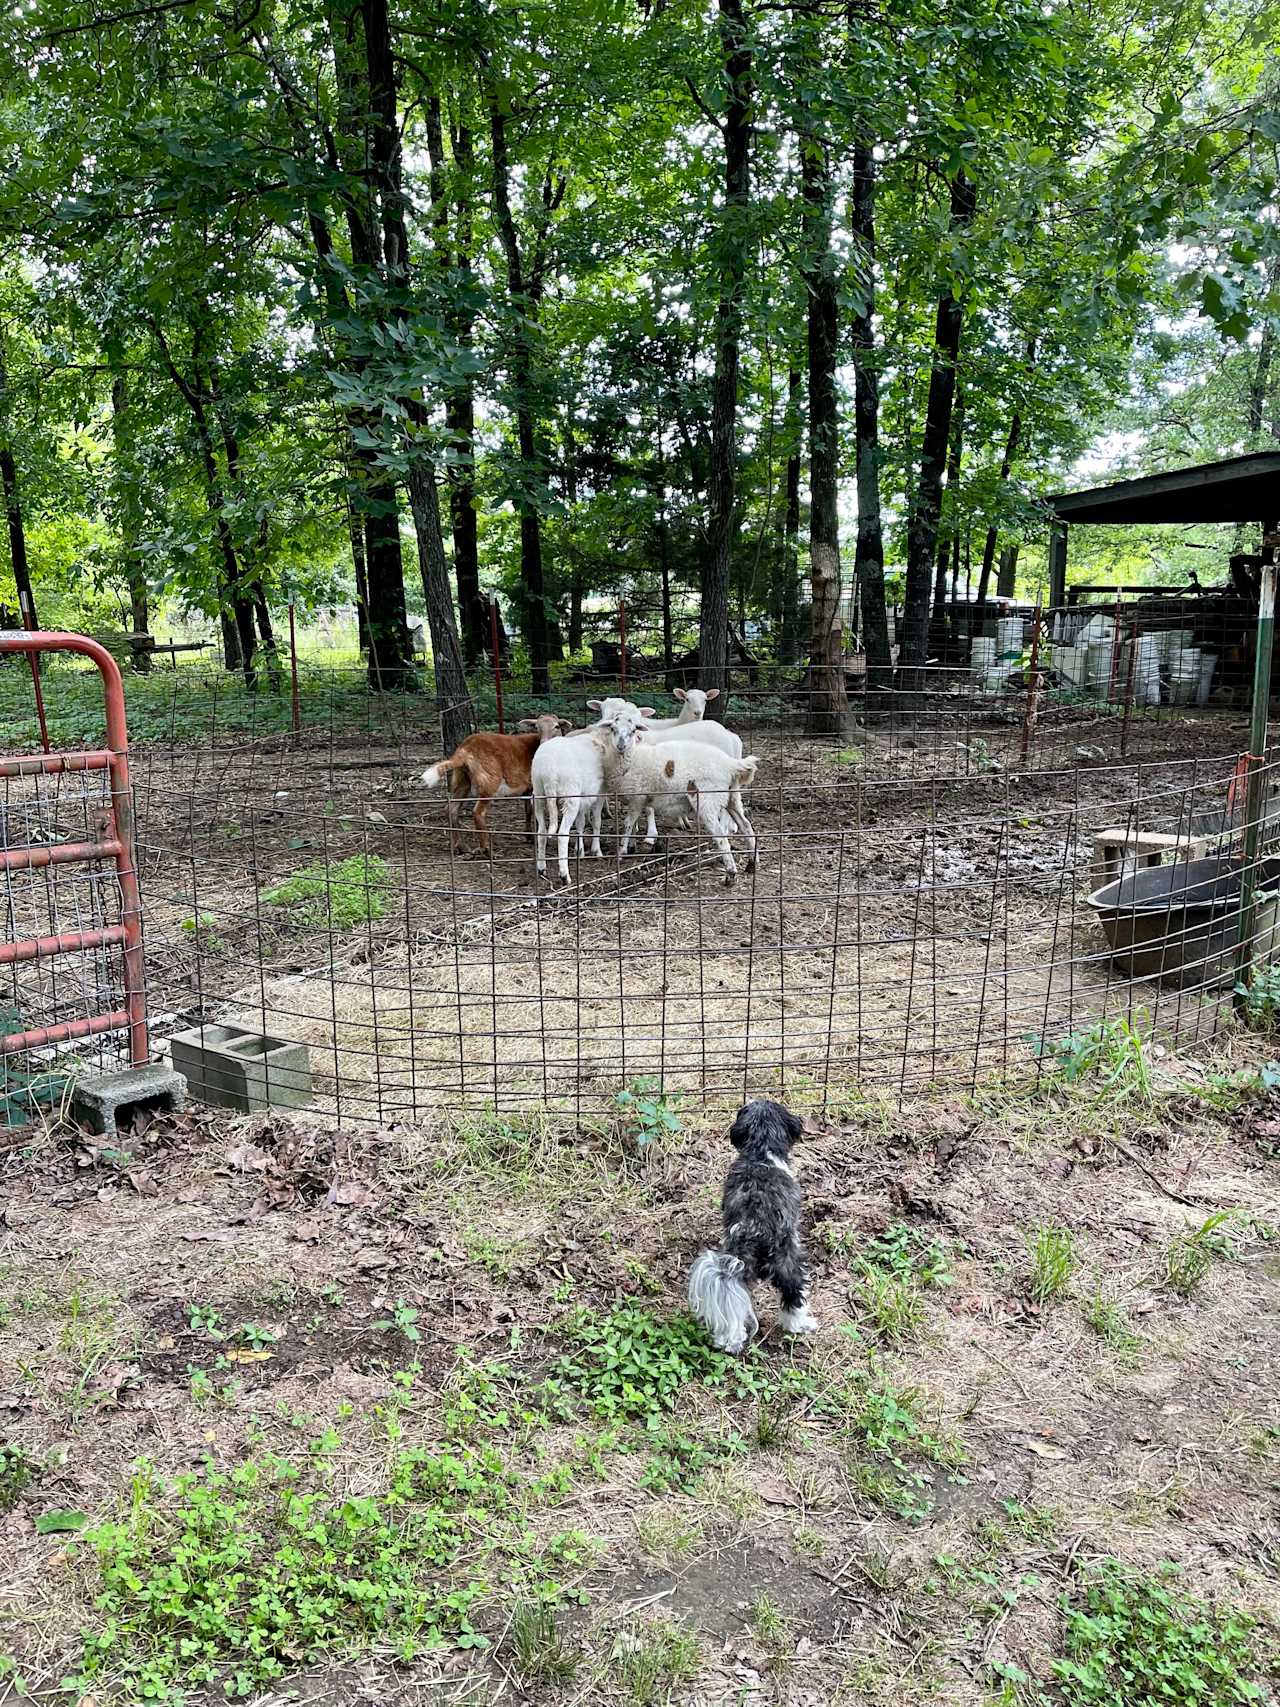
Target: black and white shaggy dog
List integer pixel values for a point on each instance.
(761, 1211)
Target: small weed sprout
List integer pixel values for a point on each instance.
(17, 1473)
(1107, 1319)
(1054, 1261)
(1260, 998)
(646, 1113)
(1110, 1051)
(202, 929)
(1190, 1256)
(402, 1320)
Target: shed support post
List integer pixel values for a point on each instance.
(1057, 565)
(1257, 762)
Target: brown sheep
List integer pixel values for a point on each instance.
(485, 768)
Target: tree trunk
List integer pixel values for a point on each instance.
(390, 652)
(13, 514)
(231, 659)
(267, 634)
(1006, 466)
(989, 544)
(355, 530)
(460, 403)
(783, 594)
(524, 307)
(828, 702)
(869, 560)
(453, 698)
(1008, 571)
(195, 394)
(922, 525)
(735, 127)
(124, 474)
(664, 561)
(950, 534)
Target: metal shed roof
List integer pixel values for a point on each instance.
(1239, 489)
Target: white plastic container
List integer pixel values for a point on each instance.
(1208, 664)
(1100, 653)
(1009, 637)
(1184, 677)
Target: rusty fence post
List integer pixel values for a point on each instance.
(1033, 685)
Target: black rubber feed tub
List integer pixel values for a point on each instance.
(1181, 922)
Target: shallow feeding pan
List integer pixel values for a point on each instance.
(1181, 922)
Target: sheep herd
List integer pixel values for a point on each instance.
(683, 771)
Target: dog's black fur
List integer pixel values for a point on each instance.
(761, 1213)
(761, 1204)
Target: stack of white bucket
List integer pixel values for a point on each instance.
(1145, 665)
(1190, 670)
(1069, 653)
(996, 657)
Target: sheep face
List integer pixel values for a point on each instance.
(697, 700)
(626, 727)
(546, 727)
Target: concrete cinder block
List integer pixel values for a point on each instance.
(233, 1068)
(99, 1099)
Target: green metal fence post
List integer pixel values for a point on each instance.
(1257, 761)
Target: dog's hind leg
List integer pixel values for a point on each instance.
(789, 1274)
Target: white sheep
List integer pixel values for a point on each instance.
(691, 725)
(678, 775)
(567, 779)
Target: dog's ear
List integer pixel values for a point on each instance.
(795, 1126)
(740, 1131)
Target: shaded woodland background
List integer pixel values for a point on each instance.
(724, 310)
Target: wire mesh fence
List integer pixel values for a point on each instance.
(929, 902)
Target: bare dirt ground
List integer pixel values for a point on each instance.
(1034, 1354)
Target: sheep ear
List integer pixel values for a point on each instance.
(713, 693)
(525, 724)
(565, 726)
(678, 693)
(593, 705)
(645, 710)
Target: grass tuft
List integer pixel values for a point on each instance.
(1190, 1255)
(1054, 1261)
(650, 1660)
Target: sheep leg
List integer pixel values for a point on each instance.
(597, 807)
(480, 818)
(568, 814)
(455, 819)
(632, 818)
(580, 825)
(651, 829)
(738, 813)
(540, 836)
(711, 817)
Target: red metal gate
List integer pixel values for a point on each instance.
(113, 840)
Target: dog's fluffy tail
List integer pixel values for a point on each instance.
(719, 1299)
(439, 773)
